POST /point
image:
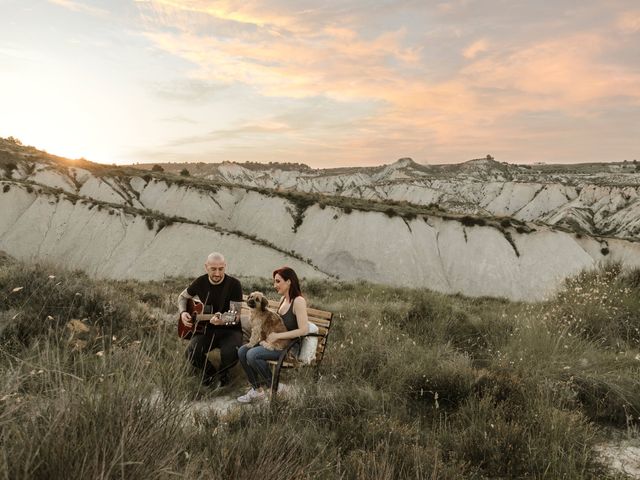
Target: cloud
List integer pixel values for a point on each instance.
(419, 102)
(179, 119)
(629, 22)
(475, 48)
(80, 7)
(561, 73)
(189, 90)
(243, 131)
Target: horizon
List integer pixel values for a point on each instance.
(20, 144)
(353, 84)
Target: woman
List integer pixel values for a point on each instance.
(293, 310)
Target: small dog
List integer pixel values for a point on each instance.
(264, 322)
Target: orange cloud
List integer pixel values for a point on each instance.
(251, 12)
(475, 48)
(80, 7)
(297, 56)
(629, 22)
(559, 73)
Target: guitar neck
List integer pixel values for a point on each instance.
(205, 317)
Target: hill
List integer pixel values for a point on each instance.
(116, 222)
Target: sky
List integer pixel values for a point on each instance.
(327, 83)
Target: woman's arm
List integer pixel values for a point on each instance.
(300, 310)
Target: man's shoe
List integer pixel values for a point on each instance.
(251, 395)
(225, 379)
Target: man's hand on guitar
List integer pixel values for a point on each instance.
(217, 319)
(186, 319)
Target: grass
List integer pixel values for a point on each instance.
(415, 384)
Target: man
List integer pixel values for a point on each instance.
(215, 290)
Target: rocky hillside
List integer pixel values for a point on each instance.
(602, 199)
(128, 223)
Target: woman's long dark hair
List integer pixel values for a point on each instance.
(288, 273)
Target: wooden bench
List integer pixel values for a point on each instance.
(322, 319)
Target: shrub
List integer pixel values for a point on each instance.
(62, 296)
(157, 168)
(184, 172)
(150, 222)
(9, 167)
(468, 221)
(6, 188)
(504, 440)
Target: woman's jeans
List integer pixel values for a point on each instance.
(254, 363)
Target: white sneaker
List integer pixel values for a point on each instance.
(251, 395)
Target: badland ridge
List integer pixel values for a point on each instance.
(481, 227)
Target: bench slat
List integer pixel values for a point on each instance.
(320, 322)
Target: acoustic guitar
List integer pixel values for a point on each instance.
(200, 320)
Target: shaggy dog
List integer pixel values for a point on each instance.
(264, 322)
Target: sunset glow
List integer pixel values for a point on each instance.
(323, 83)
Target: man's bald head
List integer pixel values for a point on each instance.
(215, 266)
(215, 257)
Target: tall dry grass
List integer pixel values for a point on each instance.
(415, 384)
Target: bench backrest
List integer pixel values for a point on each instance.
(321, 318)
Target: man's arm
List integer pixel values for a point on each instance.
(185, 316)
(182, 300)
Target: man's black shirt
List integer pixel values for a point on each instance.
(211, 295)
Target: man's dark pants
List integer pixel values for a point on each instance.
(227, 340)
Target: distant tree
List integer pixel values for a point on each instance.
(489, 157)
(157, 168)
(635, 162)
(184, 172)
(14, 140)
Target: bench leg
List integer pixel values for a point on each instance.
(275, 378)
